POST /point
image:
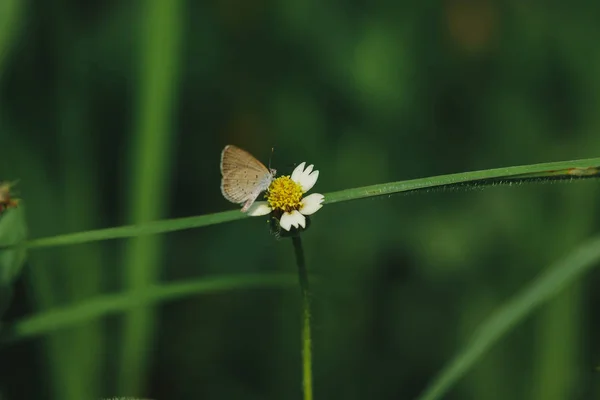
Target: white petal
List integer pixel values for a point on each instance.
(259, 208)
(311, 204)
(292, 219)
(306, 178)
(308, 181)
(286, 221)
(298, 172)
(300, 219)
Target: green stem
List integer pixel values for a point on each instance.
(550, 282)
(109, 304)
(306, 338)
(566, 170)
(160, 39)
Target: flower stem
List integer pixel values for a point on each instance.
(306, 338)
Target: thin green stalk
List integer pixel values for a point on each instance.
(78, 353)
(75, 314)
(545, 287)
(161, 28)
(545, 172)
(569, 170)
(306, 337)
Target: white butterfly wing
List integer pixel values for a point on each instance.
(243, 176)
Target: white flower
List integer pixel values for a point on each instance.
(284, 197)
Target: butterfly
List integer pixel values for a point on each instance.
(243, 176)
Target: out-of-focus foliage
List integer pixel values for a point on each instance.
(13, 230)
(369, 92)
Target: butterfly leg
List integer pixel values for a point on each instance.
(247, 204)
(252, 198)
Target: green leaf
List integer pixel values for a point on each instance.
(548, 284)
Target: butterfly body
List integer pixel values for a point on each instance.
(243, 177)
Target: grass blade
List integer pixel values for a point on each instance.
(576, 169)
(548, 284)
(160, 53)
(148, 228)
(79, 313)
(570, 170)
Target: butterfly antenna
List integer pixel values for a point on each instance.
(271, 156)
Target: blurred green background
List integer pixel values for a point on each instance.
(115, 112)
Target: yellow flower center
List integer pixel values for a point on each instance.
(284, 194)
